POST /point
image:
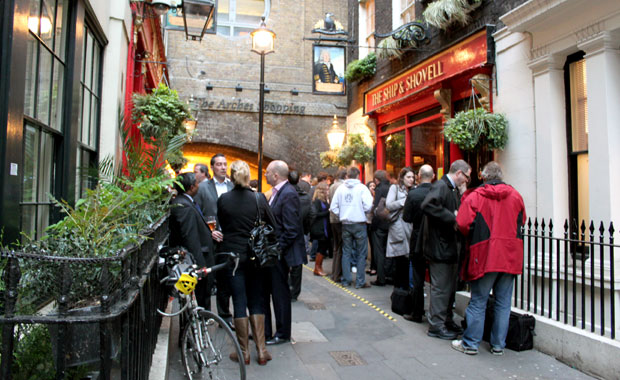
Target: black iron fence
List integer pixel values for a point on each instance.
(568, 275)
(82, 318)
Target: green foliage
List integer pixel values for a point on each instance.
(474, 128)
(362, 68)
(329, 159)
(355, 149)
(395, 147)
(443, 13)
(160, 114)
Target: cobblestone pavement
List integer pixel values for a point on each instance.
(352, 334)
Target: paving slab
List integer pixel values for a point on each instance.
(328, 319)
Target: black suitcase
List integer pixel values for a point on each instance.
(402, 301)
(520, 336)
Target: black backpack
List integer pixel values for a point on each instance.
(305, 204)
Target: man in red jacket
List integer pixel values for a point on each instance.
(491, 217)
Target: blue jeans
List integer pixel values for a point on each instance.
(502, 284)
(354, 251)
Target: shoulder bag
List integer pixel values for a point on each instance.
(264, 247)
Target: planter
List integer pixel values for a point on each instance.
(83, 340)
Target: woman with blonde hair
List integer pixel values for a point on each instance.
(320, 227)
(237, 211)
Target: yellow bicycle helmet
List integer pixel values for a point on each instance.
(186, 284)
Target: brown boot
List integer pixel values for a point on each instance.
(241, 329)
(318, 265)
(257, 321)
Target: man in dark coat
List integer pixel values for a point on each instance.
(440, 242)
(304, 213)
(412, 213)
(208, 193)
(189, 229)
(379, 228)
(285, 207)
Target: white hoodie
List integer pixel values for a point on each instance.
(351, 202)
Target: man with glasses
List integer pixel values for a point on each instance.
(439, 241)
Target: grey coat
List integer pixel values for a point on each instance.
(399, 233)
(206, 198)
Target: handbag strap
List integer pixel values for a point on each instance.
(258, 218)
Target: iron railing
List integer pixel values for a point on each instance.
(569, 275)
(111, 337)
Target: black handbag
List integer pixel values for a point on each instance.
(520, 335)
(402, 301)
(264, 248)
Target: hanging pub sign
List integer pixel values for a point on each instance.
(468, 54)
(328, 69)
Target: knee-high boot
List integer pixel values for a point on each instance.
(318, 265)
(241, 329)
(257, 321)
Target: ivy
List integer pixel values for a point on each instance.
(361, 69)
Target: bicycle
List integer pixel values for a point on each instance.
(206, 339)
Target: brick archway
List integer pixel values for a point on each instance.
(200, 152)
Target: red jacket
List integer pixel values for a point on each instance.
(491, 217)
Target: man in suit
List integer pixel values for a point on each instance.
(189, 229)
(440, 242)
(208, 193)
(412, 213)
(285, 206)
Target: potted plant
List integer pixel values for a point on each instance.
(354, 150)
(476, 128)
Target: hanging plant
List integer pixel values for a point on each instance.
(361, 69)
(471, 129)
(389, 48)
(443, 13)
(355, 149)
(329, 159)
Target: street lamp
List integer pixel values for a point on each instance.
(262, 43)
(195, 12)
(335, 136)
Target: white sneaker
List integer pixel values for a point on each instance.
(353, 269)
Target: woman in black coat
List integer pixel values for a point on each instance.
(237, 212)
(320, 227)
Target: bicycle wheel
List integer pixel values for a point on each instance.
(207, 344)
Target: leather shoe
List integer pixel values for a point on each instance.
(451, 326)
(377, 283)
(442, 333)
(365, 286)
(277, 340)
(413, 318)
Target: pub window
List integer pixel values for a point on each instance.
(43, 116)
(240, 17)
(577, 130)
(407, 12)
(89, 115)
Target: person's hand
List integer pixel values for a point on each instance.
(218, 236)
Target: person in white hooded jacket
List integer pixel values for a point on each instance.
(351, 202)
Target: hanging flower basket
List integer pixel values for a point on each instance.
(470, 130)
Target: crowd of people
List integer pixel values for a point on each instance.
(401, 230)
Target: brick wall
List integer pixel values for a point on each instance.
(224, 62)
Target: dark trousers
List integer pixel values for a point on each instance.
(443, 286)
(419, 274)
(371, 248)
(247, 290)
(379, 243)
(222, 297)
(276, 289)
(401, 272)
(295, 280)
(337, 251)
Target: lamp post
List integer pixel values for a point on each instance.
(262, 43)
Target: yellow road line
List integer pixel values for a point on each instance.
(365, 301)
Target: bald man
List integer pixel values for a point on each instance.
(412, 213)
(285, 207)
